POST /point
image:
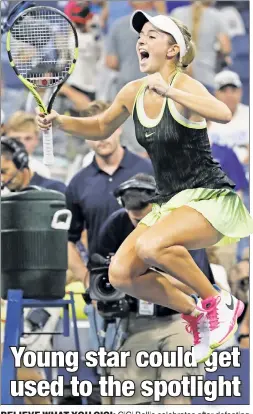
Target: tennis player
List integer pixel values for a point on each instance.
(196, 205)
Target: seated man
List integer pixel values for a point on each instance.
(147, 326)
(16, 173)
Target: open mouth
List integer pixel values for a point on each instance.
(144, 55)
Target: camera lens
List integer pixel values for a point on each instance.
(104, 286)
(101, 289)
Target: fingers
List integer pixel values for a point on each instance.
(40, 118)
(43, 121)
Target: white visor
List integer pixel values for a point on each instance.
(161, 22)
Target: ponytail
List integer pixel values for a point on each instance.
(190, 47)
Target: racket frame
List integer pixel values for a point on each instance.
(47, 135)
(30, 85)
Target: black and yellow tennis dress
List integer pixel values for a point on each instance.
(185, 171)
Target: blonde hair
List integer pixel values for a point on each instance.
(95, 108)
(197, 11)
(190, 46)
(20, 121)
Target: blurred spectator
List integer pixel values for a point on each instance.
(90, 192)
(173, 4)
(231, 166)
(124, 59)
(239, 283)
(197, 17)
(114, 10)
(226, 257)
(235, 134)
(83, 78)
(239, 280)
(159, 6)
(230, 163)
(16, 178)
(135, 206)
(243, 338)
(96, 6)
(22, 125)
(68, 99)
(240, 65)
(232, 19)
(219, 272)
(11, 99)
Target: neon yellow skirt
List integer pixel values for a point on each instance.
(223, 208)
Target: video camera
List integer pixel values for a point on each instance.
(111, 303)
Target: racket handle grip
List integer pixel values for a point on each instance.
(48, 150)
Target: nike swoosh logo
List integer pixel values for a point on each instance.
(148, 135)
(232, 305)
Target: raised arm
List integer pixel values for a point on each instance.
(97, 127)
(192, 95)
(195, 97)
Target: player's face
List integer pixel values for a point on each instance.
(231, 96)
(137, 215)
(108, 146)
(153, 48)
(29, 138)
(8, 170)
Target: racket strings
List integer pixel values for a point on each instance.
(42, 47)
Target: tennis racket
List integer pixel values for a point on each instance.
(42, 46)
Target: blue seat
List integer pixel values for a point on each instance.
(245, 17)
(245, 97)
(177, 3)
(241, 66)
(240, 46)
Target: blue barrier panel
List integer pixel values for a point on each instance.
(229, 373)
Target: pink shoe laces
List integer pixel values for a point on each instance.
(210, 305)
(192, 326)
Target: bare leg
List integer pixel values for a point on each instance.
(129, 273)
(165, 245)
(163, 290)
